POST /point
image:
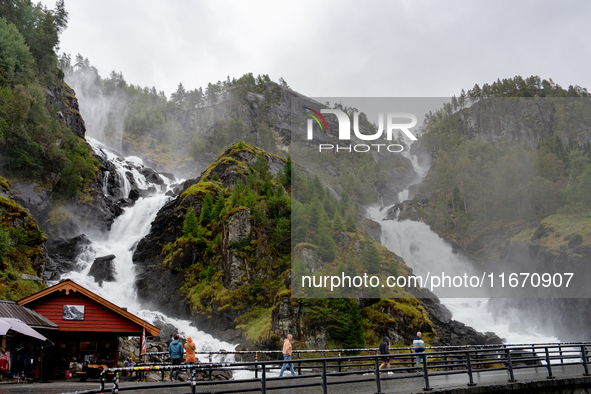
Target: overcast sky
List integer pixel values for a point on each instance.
(333, 48)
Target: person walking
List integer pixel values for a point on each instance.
(287, 355)
(385, 349)
(176, 351)
(419, 346)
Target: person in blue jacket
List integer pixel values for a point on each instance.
(176, 351)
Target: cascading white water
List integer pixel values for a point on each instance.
(127, 230)
(106, 183)
(424, 251)
(124, 182)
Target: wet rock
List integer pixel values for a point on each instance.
(167, 330)
(62, 255)
(312, 262)
(222, 375)
(574, 241)
(236, 229)
(152, 176)
(134, 194)
(168, 175)
(541, 232)
(342, 238)
(230, 335)
(103, 269)
(31, 277)
(33, 197)
(372, 228)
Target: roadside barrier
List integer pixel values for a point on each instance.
(330, 371)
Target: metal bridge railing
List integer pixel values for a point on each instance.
(329, 371)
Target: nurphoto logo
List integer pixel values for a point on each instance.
(392, 123)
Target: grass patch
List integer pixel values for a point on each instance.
(255, 324)
(564, 227)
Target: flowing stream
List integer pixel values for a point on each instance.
(127, 230)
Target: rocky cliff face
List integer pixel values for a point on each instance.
(23, 255)
(64, 103)
(165, 260)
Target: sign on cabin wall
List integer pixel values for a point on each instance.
(73, 312)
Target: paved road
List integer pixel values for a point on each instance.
(405, 386)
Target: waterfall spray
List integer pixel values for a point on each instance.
(127, 230)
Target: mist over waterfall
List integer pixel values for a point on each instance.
(424, 251)
(121, 241)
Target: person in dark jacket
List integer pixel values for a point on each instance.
(385, 349)
(419, 346)
(176, 351)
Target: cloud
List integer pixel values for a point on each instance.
(333, 48)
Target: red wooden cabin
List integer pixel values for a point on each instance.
(89, 326)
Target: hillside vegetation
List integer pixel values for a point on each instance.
(520, 153)
(36, 142)
(22, 249)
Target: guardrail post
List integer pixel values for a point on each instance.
(299, 365)
(560, 349)
(115, 389)
(469, 369)
(425, 373)
(263, 380)
(210, 368)
(340, 370)
(193, 381)
(584, 357)
(324, 384)
(510, 366)
(548, 365)
(378, 383)
(256, 367)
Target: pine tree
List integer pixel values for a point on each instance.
(206, 210)
(372, 259)
(191, 227)
(218, 208)
(236, 193)
(337, 222)
(326, 245)
(350, 223)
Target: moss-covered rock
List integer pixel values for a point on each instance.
(22, 251)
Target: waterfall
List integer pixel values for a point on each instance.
(127, 230)
(106, 183)
(424, 251)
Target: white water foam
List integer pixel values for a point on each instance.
(425, 251)
(127, 230)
